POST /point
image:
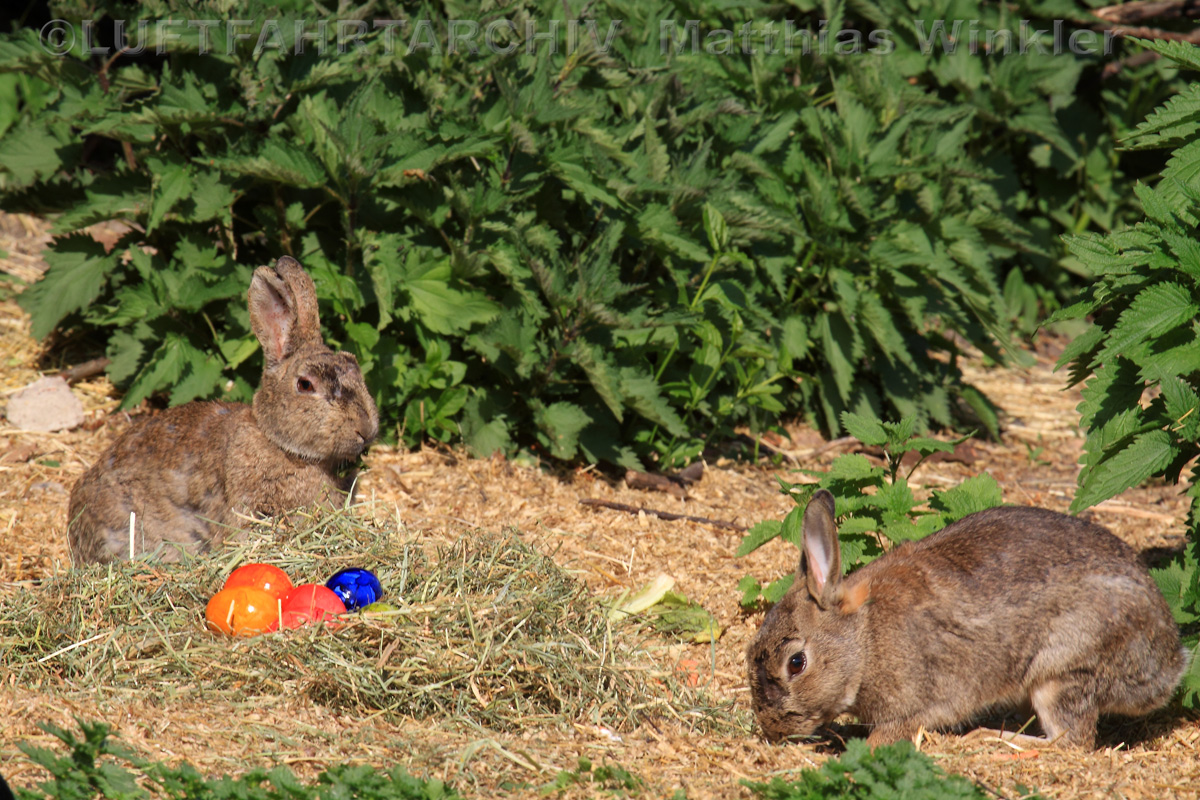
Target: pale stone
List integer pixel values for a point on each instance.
(47, 404)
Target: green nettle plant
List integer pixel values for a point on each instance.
(880, 773)
(875, 504)
(100, 766)
(615, 252)
(97, 765)
(1140, 358)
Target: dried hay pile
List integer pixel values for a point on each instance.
(488, 632)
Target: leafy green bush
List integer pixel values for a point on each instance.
(886, 772)
(612, 780)
(612, 253)
(94, 769)
(1140, 358)
(873, 502)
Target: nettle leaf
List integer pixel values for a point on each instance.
(1182, 53)
(77, 273)
(164, 368)
(601, 373)
(440, 307)
(657, 225)
(984, 409)
(1183, 407)
(172, 181)
(207, 198)
(778, 588)
(896, 502)
(29, 152)
(582, 181)
(854, 467)
(1082, 348)
(277, 161)
(1155, 205)
(759, 535)
(973, 494)
(561, 424)
(867, 430)
(1113, 389)
(792, 529)
(899, 433)
(1155, 311)
(836, 340)
(1099, 254)
(641, 393)
(926, 445)
(1185, 248)
(115, 196)
(794, 336)
(1148, 454)
(1181, 179)
(125, 351)
(201, 375)
(751, 590)
(715, 228)
(484, 430)
(1174, 581)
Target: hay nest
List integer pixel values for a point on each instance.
(488, 632)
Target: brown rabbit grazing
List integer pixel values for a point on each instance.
(186, 472)
(1005, 606)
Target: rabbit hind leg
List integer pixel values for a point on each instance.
(1067, 711)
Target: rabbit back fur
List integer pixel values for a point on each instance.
(187, 472)
(1005, 606)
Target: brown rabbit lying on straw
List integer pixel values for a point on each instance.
(1005, 606)
(185, 472)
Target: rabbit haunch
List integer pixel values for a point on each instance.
(188, 472)
(1004, 607)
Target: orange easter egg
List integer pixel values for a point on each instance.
(241, 611)
(270, 579)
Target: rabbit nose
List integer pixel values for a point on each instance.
(368, 426)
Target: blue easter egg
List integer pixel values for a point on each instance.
(356, 587)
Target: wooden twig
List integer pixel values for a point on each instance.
(1109, 507)
(636, 479)
(1132, 62)
(1143, 10)
(85, 370)
(1192, 37)
(832, 444)
(665, 515)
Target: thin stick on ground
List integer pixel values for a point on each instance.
(665, 515)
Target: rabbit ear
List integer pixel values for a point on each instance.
(283, 309)
(304, 299)
(821, 564)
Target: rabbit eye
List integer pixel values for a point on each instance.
(305, 386)
(796, 664)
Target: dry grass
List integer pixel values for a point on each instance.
(488, 633)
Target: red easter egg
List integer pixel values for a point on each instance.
(270, 579)
(241, 611)
(309, 603)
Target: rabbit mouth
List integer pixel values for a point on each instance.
(344, 469)
(789, 726)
